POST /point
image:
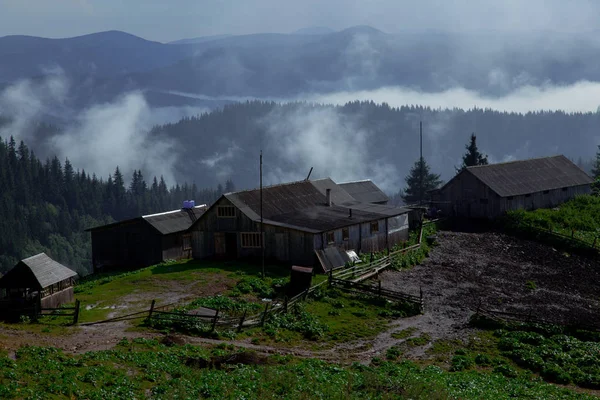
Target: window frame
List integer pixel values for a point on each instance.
(330, 237)
(376, 224)
(345, 233)
(222, 214)
(251, 240)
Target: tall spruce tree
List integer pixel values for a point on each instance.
(596, 173)
(419, 181)
(473, 156)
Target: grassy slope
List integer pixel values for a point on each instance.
(579, 217)
(145, 368)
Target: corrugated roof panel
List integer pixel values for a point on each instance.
(174, 221)
(530, 176)
(365, 191)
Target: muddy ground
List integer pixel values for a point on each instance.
(464, 271)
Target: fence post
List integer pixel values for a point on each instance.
(305, 294)
(285, 304)
(264, 316)
(242, 321)
(214, 324)
(76, 312)
(379, 288)
(151, 309)
(330, 277)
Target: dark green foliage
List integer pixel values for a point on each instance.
(297, 319)
(144, 368)
(472, 157)
(460, 363)
(578, 218)
(419, 181)
(46, 206)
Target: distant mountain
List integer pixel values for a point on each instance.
(201, 39)
(315, 30)
(100, 54)
(273, 65)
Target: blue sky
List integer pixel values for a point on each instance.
(165, 20)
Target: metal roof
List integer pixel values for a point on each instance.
(174, 221)
(365, 191)
(530, 176)
(165, 223)
(302, 206)
(44, 271)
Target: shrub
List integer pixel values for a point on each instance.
(460, 363)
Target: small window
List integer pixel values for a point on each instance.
(187, 242)
(375, 227)
(509, 198)
(226, 211)
(330, 238)
(546, 191)
(565, 189)
(345, 233)
(483, 201)
(528, 195)
(251, 240)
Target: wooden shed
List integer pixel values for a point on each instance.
(488, 191)
(144, 241)
(38, 279)
(299, 218)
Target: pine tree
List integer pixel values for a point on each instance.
(417, 188)
(596, 173)
(472, 157)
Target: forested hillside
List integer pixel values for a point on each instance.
(46, 206)
(361, 140)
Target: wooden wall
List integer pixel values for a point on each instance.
(467, 196)
(172, 247)
(56, 299)
(132, 244)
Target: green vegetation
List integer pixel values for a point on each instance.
(412, 257)
(578, 218)
(143, 368)
(404, 334)
(123, 292)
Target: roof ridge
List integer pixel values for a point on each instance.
(37, 255)
(515, 161)
(279, 185)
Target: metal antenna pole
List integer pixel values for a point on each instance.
(262, 231)
(421, 163)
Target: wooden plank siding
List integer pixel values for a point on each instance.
(134, 244)
(467, 196)
(286, 244)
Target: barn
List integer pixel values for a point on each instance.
(300, 218)
(38, 280)
(488, 191)
(146, 240)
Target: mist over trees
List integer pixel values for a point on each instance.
(46, 206)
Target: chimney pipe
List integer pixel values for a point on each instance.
(328, 194)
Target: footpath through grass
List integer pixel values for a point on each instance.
(120, 293)
(148, 369)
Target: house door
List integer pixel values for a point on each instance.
(231, 244)
(219, 243)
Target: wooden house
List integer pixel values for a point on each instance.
(38, 280)
(365, 191)
(300, 218)
(488, 191)
(144, 241)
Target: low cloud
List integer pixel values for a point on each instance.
(322, 138)
(583, 96)
(96, 139)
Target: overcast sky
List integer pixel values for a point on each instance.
(166, 20)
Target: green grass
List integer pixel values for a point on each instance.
(579, 218)
(143, 368)
(405, 333)
(100, 293)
